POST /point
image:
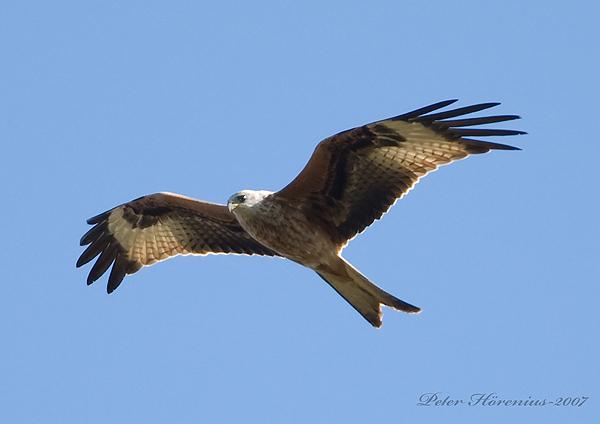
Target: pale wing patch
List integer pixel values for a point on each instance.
(149, 245)
(423, 140)
(385, 173)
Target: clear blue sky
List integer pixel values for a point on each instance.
(103, 101)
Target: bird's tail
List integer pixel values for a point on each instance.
(363, 295)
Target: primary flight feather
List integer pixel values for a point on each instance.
(351, 179)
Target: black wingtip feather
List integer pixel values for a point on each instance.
(468, 122)
(101, 217)
(479, 146)
(93, 234)
(102, 263)
(458, 112)
(117, 274)
(92, 251)
(423, 110)
(483, 132)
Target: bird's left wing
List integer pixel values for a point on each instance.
(156, 227)
(354, 177)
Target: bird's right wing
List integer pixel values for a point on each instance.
(355, 176)
(156, 227)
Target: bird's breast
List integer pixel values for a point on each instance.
(286, 229)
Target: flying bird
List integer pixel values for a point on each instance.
(351, 180)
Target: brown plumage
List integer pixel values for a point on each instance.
(352, 179)
(156, 227)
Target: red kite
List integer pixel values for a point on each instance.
(351, 180)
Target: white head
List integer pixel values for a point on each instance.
(246, 198)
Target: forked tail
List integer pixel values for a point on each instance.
(363, 295)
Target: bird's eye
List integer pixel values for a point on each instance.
(241, 198)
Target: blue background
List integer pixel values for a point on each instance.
(103, 101)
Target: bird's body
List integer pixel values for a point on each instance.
(352, 179)
(283, 227)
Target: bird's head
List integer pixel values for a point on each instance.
(246, 198)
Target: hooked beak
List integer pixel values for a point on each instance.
(231, 206)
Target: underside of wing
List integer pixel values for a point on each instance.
(355, 176)
(156, 227)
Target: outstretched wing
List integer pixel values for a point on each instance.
(157, 227)
(355, 176)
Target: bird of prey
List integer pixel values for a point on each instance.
(351, 180)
